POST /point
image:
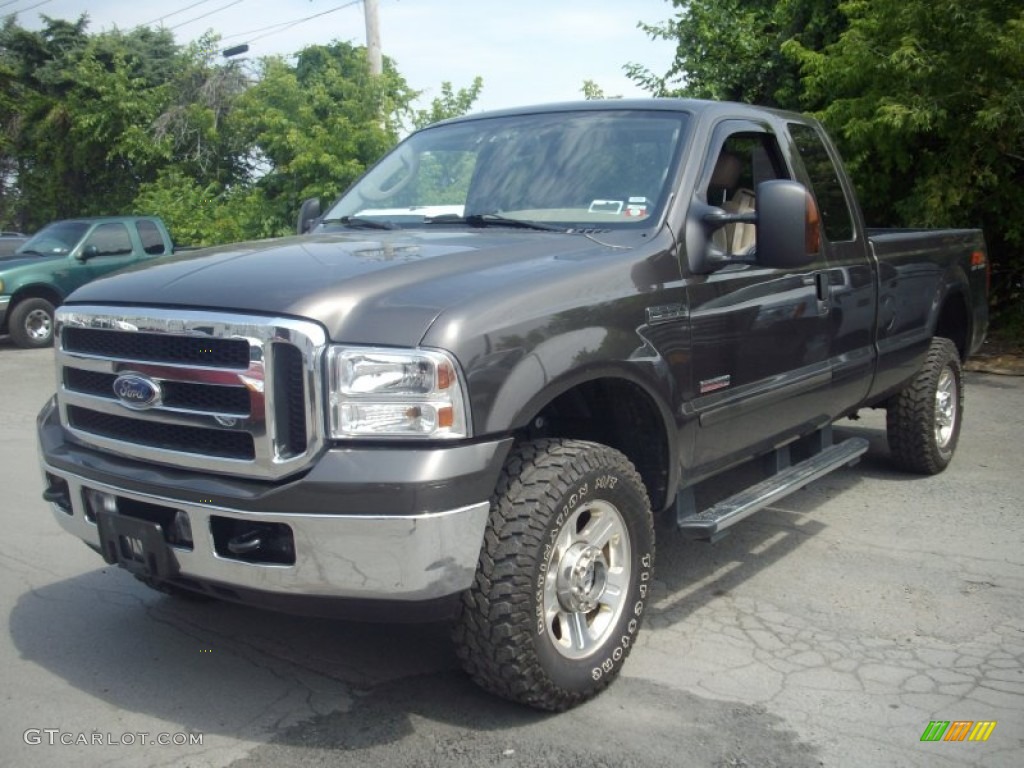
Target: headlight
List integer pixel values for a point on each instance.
(379, 392)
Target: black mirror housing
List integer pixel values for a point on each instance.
(788, 225)
(88, 252)
(309, 212)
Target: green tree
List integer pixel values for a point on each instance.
(315, 127)
(31, 81)
(592, 91)
(450, 103)
(119, 121)
(194, 127)
(307, 129)
(733, 49)
(77, 140)
(207, 212)
(9, 193)
(927, 101)
(924, 99)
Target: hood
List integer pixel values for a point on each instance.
(381, 289)
(14, 260)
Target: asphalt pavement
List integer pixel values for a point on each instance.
(828, 630)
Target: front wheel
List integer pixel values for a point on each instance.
(564, 575)
(31, 323)
(923, 420)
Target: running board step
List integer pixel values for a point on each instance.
(712, 522)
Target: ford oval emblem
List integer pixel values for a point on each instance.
(137, 391)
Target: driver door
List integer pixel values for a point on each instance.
(106, 249)
(760, 335)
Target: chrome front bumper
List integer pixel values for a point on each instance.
(368, 557)
(5, 302)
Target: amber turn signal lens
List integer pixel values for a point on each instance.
(813, 226)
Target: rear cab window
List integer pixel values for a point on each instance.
(837, 220)
(149, 234)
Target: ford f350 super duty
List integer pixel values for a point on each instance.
(467, 387)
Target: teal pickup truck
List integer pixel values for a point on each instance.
(64, 255)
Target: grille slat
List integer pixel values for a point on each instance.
(206, 398)
(168, 437)
(158, 347)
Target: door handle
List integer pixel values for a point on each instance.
(824, 291)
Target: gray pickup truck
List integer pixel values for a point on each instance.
(468, 387)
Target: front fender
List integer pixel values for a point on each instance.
(46, 291)
(511, 388)
(546, 371)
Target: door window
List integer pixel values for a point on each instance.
(744, 160)
(110, 240)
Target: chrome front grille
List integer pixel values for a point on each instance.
(236, 394)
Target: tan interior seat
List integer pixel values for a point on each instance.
(740, 237)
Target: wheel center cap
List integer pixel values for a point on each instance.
(582, 578)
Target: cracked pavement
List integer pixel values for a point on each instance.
(829, 629)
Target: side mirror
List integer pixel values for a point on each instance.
(788, 230)
(309, 212)
(788, 225)
(89, 252)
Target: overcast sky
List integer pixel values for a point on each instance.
(527, 51)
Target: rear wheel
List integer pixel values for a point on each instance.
(31, 323)
(563, 578)
(923, 420)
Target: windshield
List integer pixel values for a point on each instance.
(563, 170)
(55, 239)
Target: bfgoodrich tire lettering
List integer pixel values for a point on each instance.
(923, 420)
(563, 578)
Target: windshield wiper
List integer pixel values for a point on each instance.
(361, 222)
(491, 220)
(30, 252)
(497, 220)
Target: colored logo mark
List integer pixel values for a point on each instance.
(137, 391)
(958, 730)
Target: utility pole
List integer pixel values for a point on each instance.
(373, 53)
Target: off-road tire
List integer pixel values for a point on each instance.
(31, 323)
(923, 420)
(558, 503)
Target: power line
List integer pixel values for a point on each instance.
(260, 33)
(203, 16)
(175, 13)
(257, 31)
(285, 25)
(22, 10)
(308, 18)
